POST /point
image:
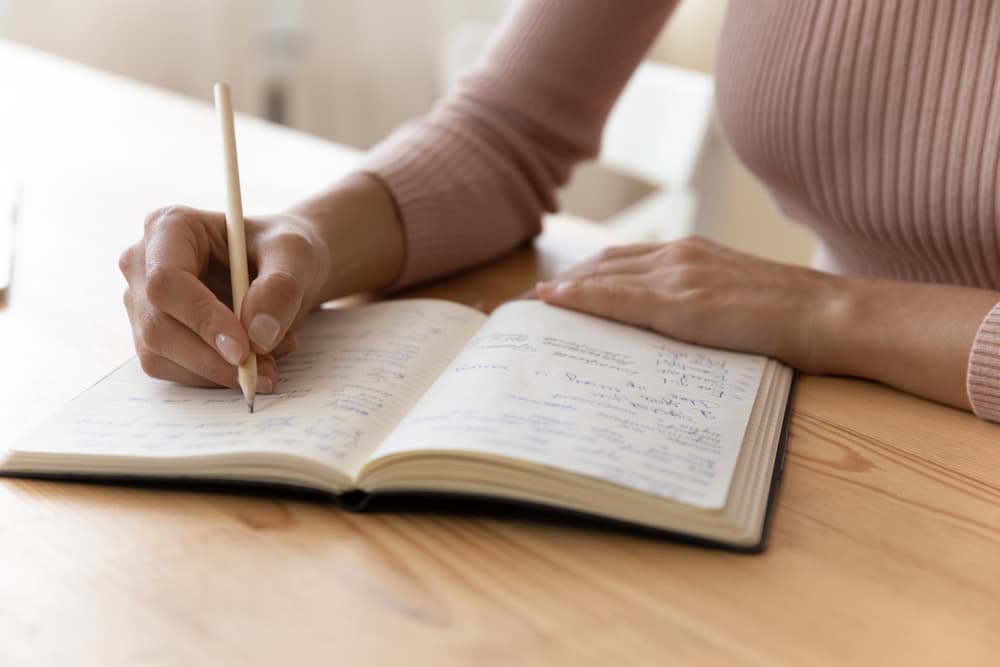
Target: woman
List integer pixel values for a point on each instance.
(875, 123)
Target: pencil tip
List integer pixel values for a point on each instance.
(250, 404)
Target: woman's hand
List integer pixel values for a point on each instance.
(178, 297)
(913, 336)
(698, 291)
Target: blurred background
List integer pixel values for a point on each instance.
(351, 70)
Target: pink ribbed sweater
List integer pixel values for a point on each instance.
(875, 122)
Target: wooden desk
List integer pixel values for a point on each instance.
(885, 547)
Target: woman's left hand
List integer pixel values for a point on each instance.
(910, 335)
(698, 291)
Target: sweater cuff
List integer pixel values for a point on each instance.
(415, 171)
(983, 381)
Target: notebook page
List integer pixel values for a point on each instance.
(354, 375)
(594, 397)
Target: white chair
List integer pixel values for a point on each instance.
(661, 131)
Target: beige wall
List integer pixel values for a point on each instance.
(365, 65)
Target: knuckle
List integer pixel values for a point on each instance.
(149, 333)
(681, 251)
(150, 363)
(696, 243)
(611, 293)
(629, 304)
(692, 294)
(609, 253)
(158, 285)
(284, 286)
(618, 251)
(615, 291)
(204, 314)
(293, 243)
(167, 215)
(127, 260)
(683, 277)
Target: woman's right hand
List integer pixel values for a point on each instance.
(343, 241)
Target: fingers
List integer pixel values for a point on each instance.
(178, 280)
(695, 290)
(178, 243)
(288, 266)
(644, 259)
(170, 351)
(638, 263)
(160, 367)
(631, 250)
(617, 256)
(165, 369)
(286, 346)
(637, 258)
(186, 299)
(641, 284)
(615, 297)
(176, 236)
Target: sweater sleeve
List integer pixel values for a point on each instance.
(472, 178)
(984, 368)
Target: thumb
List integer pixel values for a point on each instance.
(276, 295)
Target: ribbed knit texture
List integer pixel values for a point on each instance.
(875, 122)
(472, 178)
(984, 368)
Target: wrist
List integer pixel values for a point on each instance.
(359, 230)
(844, 330)
(913, 336)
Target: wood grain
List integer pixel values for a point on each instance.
(885, 549)
(885, 546)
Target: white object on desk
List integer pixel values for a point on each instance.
(661, 131)
(8, 219)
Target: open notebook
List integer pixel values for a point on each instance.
(533, 403)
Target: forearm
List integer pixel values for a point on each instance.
(474, 177)
(360, 231)
(913, 336)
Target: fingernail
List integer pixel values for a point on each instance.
(265, 385)
(229, 349)
(264, 331)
